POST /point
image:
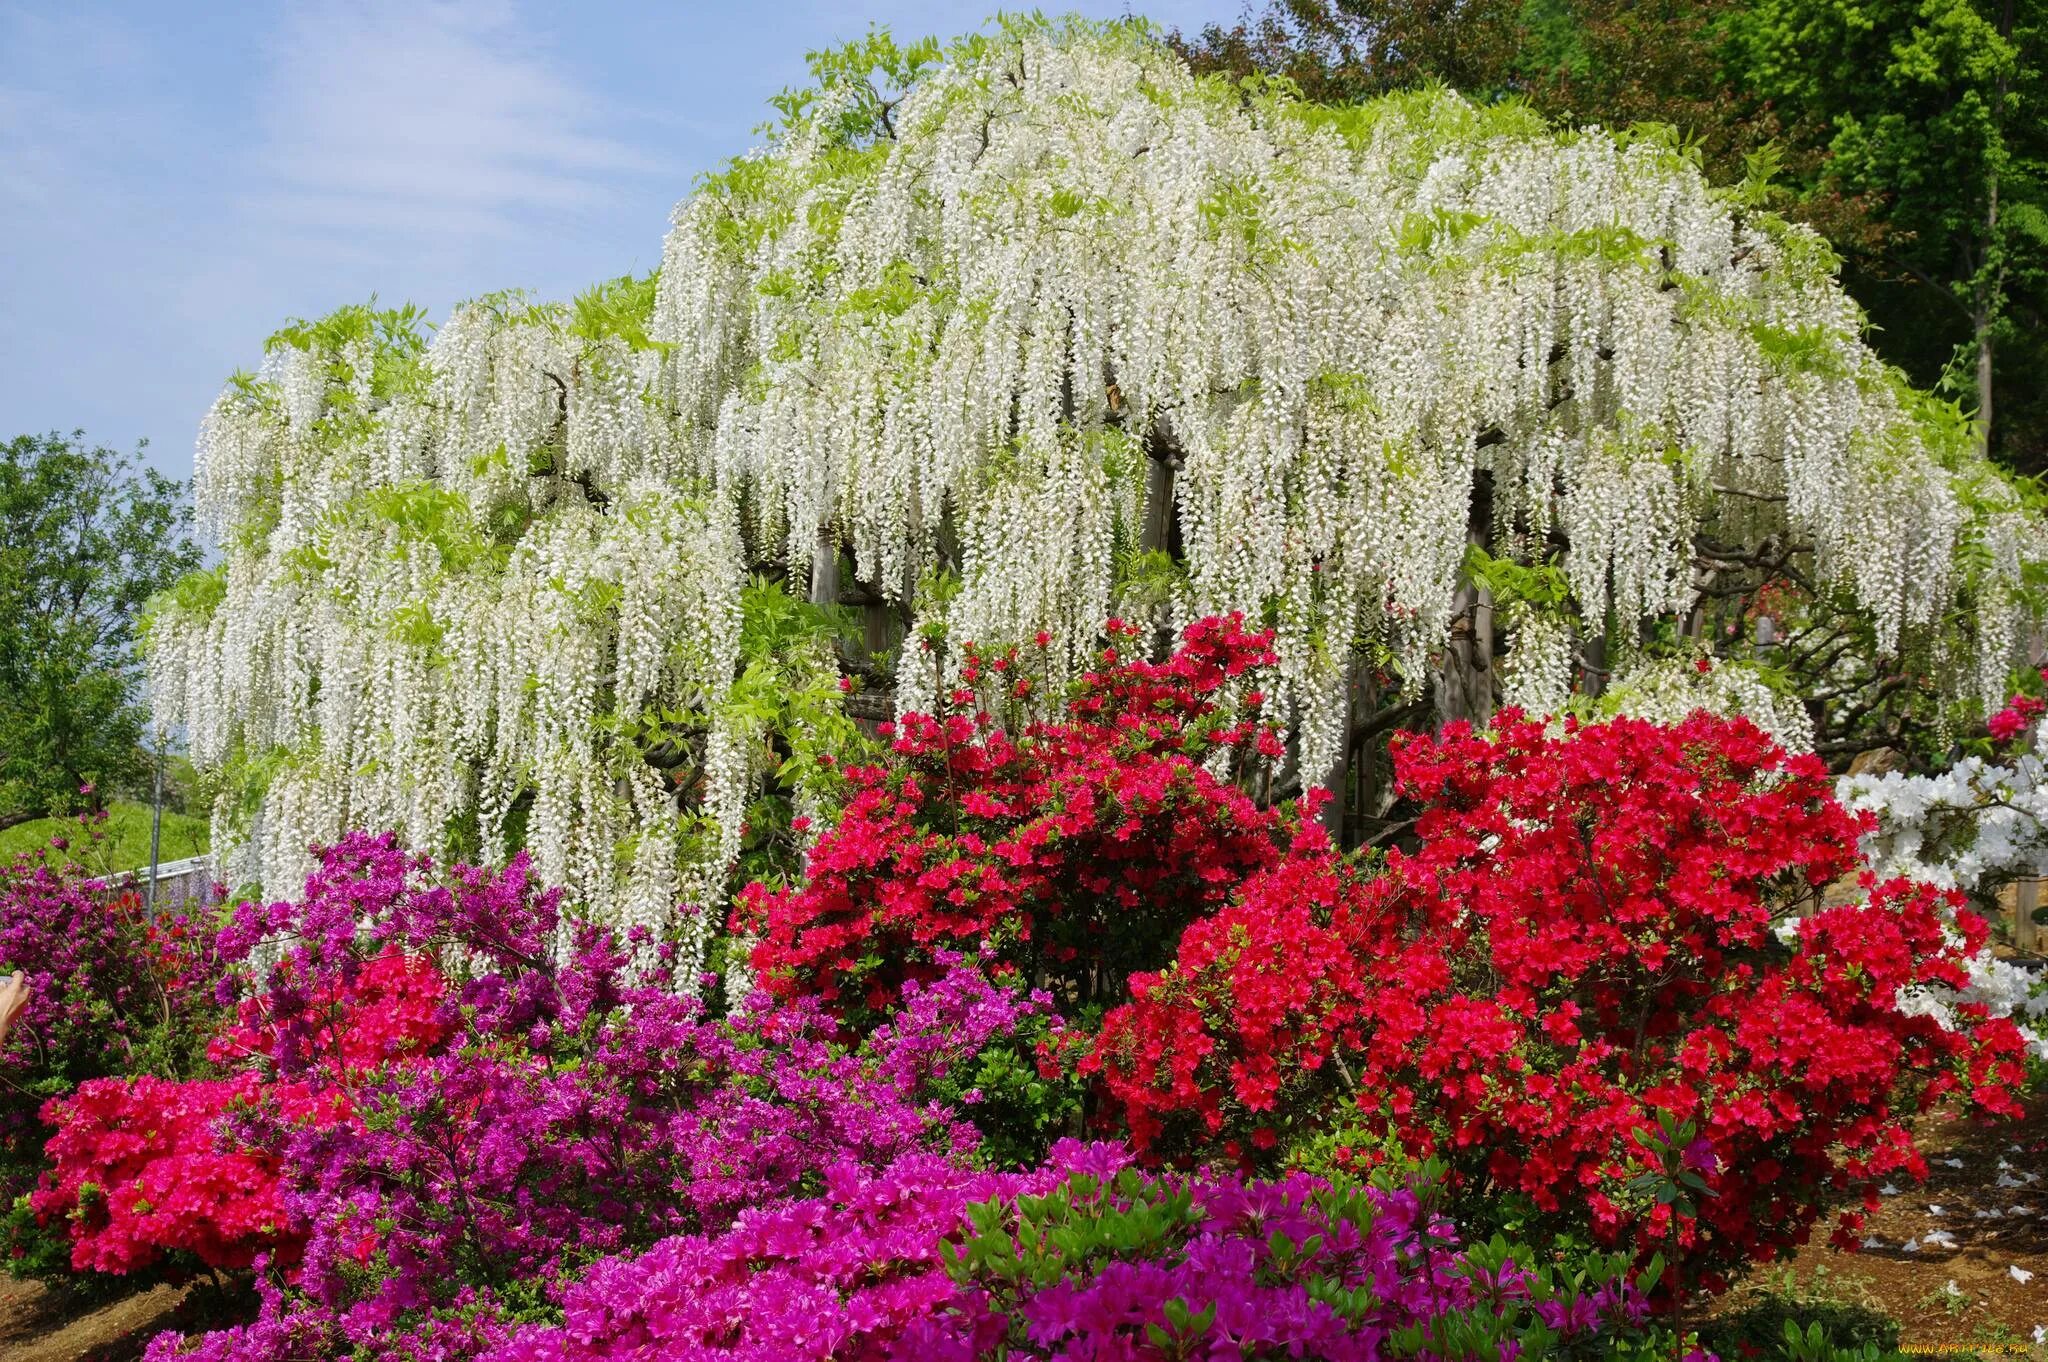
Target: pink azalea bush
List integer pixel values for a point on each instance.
(1083, 1258)
(111, 993)
(140, 1171)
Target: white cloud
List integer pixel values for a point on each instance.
(443, 119)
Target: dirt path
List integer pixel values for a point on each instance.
(1961, 1263)
(35, 1326)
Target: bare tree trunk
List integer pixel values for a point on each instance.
(1338, 783)
(1158, 504)
(825, 569)
(1465, 681)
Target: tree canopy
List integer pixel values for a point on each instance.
(1040, 327)
(86, 538)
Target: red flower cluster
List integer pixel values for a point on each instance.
(390, 1010)
(146, 1167)
(1583, 943)
(1259, 999)
(1079, 848)
(2019, 713)
(141, 1169)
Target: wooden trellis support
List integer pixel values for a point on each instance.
(2025, 898)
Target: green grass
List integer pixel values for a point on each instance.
(125, 845)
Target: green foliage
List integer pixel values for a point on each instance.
(1542, 587)
(87, 536)
(788, 701)
(620, 307)
(1082, 1224)
(788, 689)
(426, 513)
(1820, 1320)
(874, 71)
(1930, 111)
(125, 844)
(1019, 1111)
(390, 343)
(1087, 1223)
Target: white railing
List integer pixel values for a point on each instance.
(177, 882)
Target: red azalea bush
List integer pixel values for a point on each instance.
(111, 993)
(1078, 848)
(387, 1009)
(144, 1168)
(1575, 990)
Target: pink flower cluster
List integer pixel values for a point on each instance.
(141, 1170)
(1084, 1258)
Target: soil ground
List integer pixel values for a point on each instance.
(38, 1325)
(1956, 1294)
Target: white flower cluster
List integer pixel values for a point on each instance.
(455, 574)
(1541, 662)
(413, 631)
(1666, 691)
(1972, 827)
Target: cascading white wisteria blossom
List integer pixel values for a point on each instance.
(427, 617)
(964, 333)
(1665, 692)
(1324, 310)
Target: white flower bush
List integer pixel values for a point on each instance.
(957, 332)
(1974, 826)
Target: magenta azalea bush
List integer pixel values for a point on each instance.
(551, 1107)
(1084, 1258)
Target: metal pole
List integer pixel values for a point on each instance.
(156, 829)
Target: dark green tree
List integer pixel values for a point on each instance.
(1933, 109)
(87, 536)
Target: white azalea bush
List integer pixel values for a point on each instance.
(997, 322)
(1973, 826)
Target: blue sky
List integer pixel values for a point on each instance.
(176, 180)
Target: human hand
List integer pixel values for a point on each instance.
(14, 994)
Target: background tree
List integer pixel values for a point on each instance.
(86, 537)
(1910, 134)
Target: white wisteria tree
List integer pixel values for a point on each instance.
(1013, 335)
